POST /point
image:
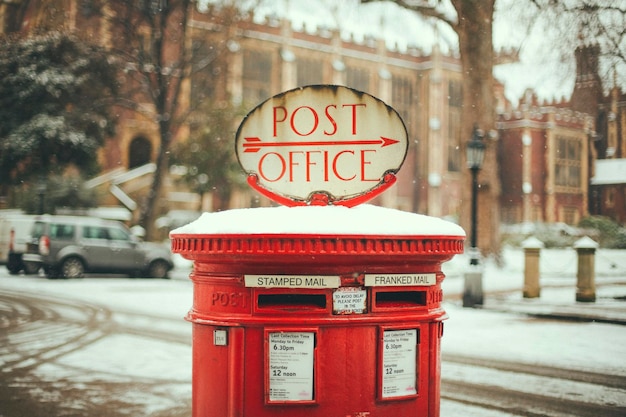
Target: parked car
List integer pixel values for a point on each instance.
(15, 229)
(69, 246)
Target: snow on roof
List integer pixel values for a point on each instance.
(321, 220)
(541, 67)
(544, 66)
(609, 171)
(381, 20)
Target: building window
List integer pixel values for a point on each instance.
(206, 68)
(257, 76)
(568, 162)
(536, 214)
(139, 152)
(309, 72)
(455, 102)
(402, 97)
(610, 197)
(455, 94)
(570, 215)
(358, 78)
(87, 8)
(511, 214)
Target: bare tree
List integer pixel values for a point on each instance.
(588, 22)
(170, 70)
(149, 37)
(473, 26)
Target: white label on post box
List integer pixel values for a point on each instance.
(399, 363)
(350, 300)
(292, 281)
(220, 338)
(399, 280)
(291, 366)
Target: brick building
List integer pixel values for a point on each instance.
(544, 170)
(544, 149)
(607, 194)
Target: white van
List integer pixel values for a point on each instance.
(15, 231)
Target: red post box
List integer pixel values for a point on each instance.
(335, 316)
(319, 309)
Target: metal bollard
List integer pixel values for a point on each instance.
(473, 284)
(586, 279)
(532, 248)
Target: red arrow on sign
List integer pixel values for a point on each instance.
(254, 144)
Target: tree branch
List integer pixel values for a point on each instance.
(422, 8)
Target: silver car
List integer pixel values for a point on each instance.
(69, 246)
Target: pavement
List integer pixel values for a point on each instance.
(503, 288)
(560, 303)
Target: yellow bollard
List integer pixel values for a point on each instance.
(586, 275)
(532, 248)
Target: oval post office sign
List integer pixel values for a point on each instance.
(320, 145)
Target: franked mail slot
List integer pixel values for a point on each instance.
(292, 302)
(400, 299)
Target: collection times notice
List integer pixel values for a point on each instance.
(291, 366)
(399, 363)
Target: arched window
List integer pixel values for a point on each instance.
(139, 152)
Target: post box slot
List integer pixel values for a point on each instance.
(292, 301)
(396, 299)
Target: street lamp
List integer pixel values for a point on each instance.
(41, 193)
(475, 157)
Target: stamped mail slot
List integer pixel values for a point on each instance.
(292, 301)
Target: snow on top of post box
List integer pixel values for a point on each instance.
(364, 219)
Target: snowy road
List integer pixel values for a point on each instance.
(65, 356)
(120, 347)
(512, 389)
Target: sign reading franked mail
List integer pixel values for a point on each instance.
(322, 144)
(398, 280)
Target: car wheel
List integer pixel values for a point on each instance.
(31, 268)
(51, 273)
(14, 264)
(158, 269)
(72, 268)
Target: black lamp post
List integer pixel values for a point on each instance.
(475, 157)
(41, 193)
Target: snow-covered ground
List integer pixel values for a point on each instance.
(481, 333)
(516, 337)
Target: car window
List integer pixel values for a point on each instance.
(38, 230)
(95, 232)
(62, 231)
(118, 234)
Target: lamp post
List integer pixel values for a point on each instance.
(473, 287)
(475, 157)
(41, 193)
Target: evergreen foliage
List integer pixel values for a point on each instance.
(55, 192)
(209, 154)
(608, 233)
(55, 97)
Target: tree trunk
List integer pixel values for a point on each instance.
(474, 30)
(150, 205)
